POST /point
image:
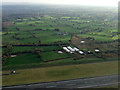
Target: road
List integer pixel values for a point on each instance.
(74, 83)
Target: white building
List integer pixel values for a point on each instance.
(97, 50)
(60, 52)
(71, 49)
(66, 49)
(76, 49)
(81, 52)
(82, 41)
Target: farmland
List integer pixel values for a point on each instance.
(44, 35)
(35, 37)
(63, 72)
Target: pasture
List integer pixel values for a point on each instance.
(36, 31)
(58, 25)
(33, 38)
(56, 73)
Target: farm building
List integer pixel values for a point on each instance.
(81, 52)
(97, 50)
(82, 41)
(71, 49)
(66, 49)
(76, 49)
(60, 52)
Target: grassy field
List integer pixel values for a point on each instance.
(46, 27)
(25, 76)
(53, 55)
(17, 49)
(97, 37)
(58, 25)
(22, 59)
(53, 37)
(13, 63)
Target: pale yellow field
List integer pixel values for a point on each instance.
(46, 74)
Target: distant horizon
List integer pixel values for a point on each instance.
(30, 3)
(109, 3)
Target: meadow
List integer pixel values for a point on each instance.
(47, 29)
(56, 73)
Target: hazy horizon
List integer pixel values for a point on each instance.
(69, 2)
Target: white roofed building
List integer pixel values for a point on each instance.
(66, 49)
(60, 52)
(71, 49)
(97, 50)
(76, 49)
(82, 41)
(81, 52)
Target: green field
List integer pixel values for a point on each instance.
(33, 36)
(24, 76)
(47, 29)
(17, 49)
(45, 26)
(53, 55)
(8, 65)
(22, 59)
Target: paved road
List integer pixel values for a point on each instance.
(75, 83)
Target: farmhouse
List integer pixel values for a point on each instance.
(97, 50)
(82, 41)
(60, 52)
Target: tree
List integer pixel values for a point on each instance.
(57, 29)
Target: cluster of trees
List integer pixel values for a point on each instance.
(7, 53)
(57, 29)
(18, 29)
(37, 51)
(31, 25)
(38, 29)
(15, 36)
